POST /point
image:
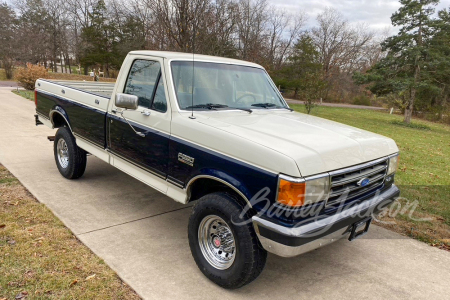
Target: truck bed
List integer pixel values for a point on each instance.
(103, 89)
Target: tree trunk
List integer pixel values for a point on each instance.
(410, 106)
(68, 62)
(8, 66)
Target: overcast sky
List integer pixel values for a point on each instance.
(376, 13)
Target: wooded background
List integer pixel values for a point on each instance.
(336, 60)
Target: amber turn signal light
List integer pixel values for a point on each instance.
(291, 193)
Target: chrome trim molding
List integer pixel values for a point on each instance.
(188, 186)
(291, 179)
(357, 167)
(77, 136)
(51, 118)
(43, 116)
(288, 251)
(174, 183)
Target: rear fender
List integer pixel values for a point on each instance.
(58, 110)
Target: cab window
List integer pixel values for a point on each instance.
(142, 81)
(159, 101)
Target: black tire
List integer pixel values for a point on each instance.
(76, 163)
(250, 257)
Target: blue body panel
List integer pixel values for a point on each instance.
(151, 152)
(84, 121)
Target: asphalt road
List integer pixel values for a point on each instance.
(291, 101)
(142, 234)
(8, 84)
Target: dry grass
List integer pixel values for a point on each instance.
(41, 259)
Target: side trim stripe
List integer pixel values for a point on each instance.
(137, 165)
(88, 141)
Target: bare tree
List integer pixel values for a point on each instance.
(283, 29)
(341, 47)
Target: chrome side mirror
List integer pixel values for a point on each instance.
(126, 101)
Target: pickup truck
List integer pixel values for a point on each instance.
(218, 132)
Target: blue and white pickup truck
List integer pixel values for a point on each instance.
(218, 132)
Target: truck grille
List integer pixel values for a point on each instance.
(344, 183)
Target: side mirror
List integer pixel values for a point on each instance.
(127, 101)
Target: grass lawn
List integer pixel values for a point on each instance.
(25, 93)
(424, 170)
(41, 259)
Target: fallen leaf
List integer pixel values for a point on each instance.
(90, 277)
(73, 282)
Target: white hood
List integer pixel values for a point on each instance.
(317, 145)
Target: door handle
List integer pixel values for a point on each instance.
(145, 112)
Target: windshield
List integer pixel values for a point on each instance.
(221, 86)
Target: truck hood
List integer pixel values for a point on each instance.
(317, 145)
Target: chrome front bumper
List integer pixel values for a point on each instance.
(293, 241)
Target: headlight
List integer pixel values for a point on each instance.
(297, 192)
(393, 164)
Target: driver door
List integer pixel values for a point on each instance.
(147, 81)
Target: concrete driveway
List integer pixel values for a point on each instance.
(142, 235)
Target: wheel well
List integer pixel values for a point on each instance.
(204, 186)
(58, 120)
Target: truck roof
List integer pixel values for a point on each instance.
(197, 57)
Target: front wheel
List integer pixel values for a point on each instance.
(223, 242)
(70, 159)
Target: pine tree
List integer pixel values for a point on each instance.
(402, 71)
(303, 72)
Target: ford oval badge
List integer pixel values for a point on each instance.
(363, 182)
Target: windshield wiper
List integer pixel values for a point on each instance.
(216, 106)
(244, 109)
(267, 105)
(208, 106)
(264, 105)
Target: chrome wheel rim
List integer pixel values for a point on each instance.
(216, 242)
(62, 153)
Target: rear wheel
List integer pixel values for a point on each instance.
(223, 242)
(70, 159)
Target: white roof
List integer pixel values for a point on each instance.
(197, 57)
